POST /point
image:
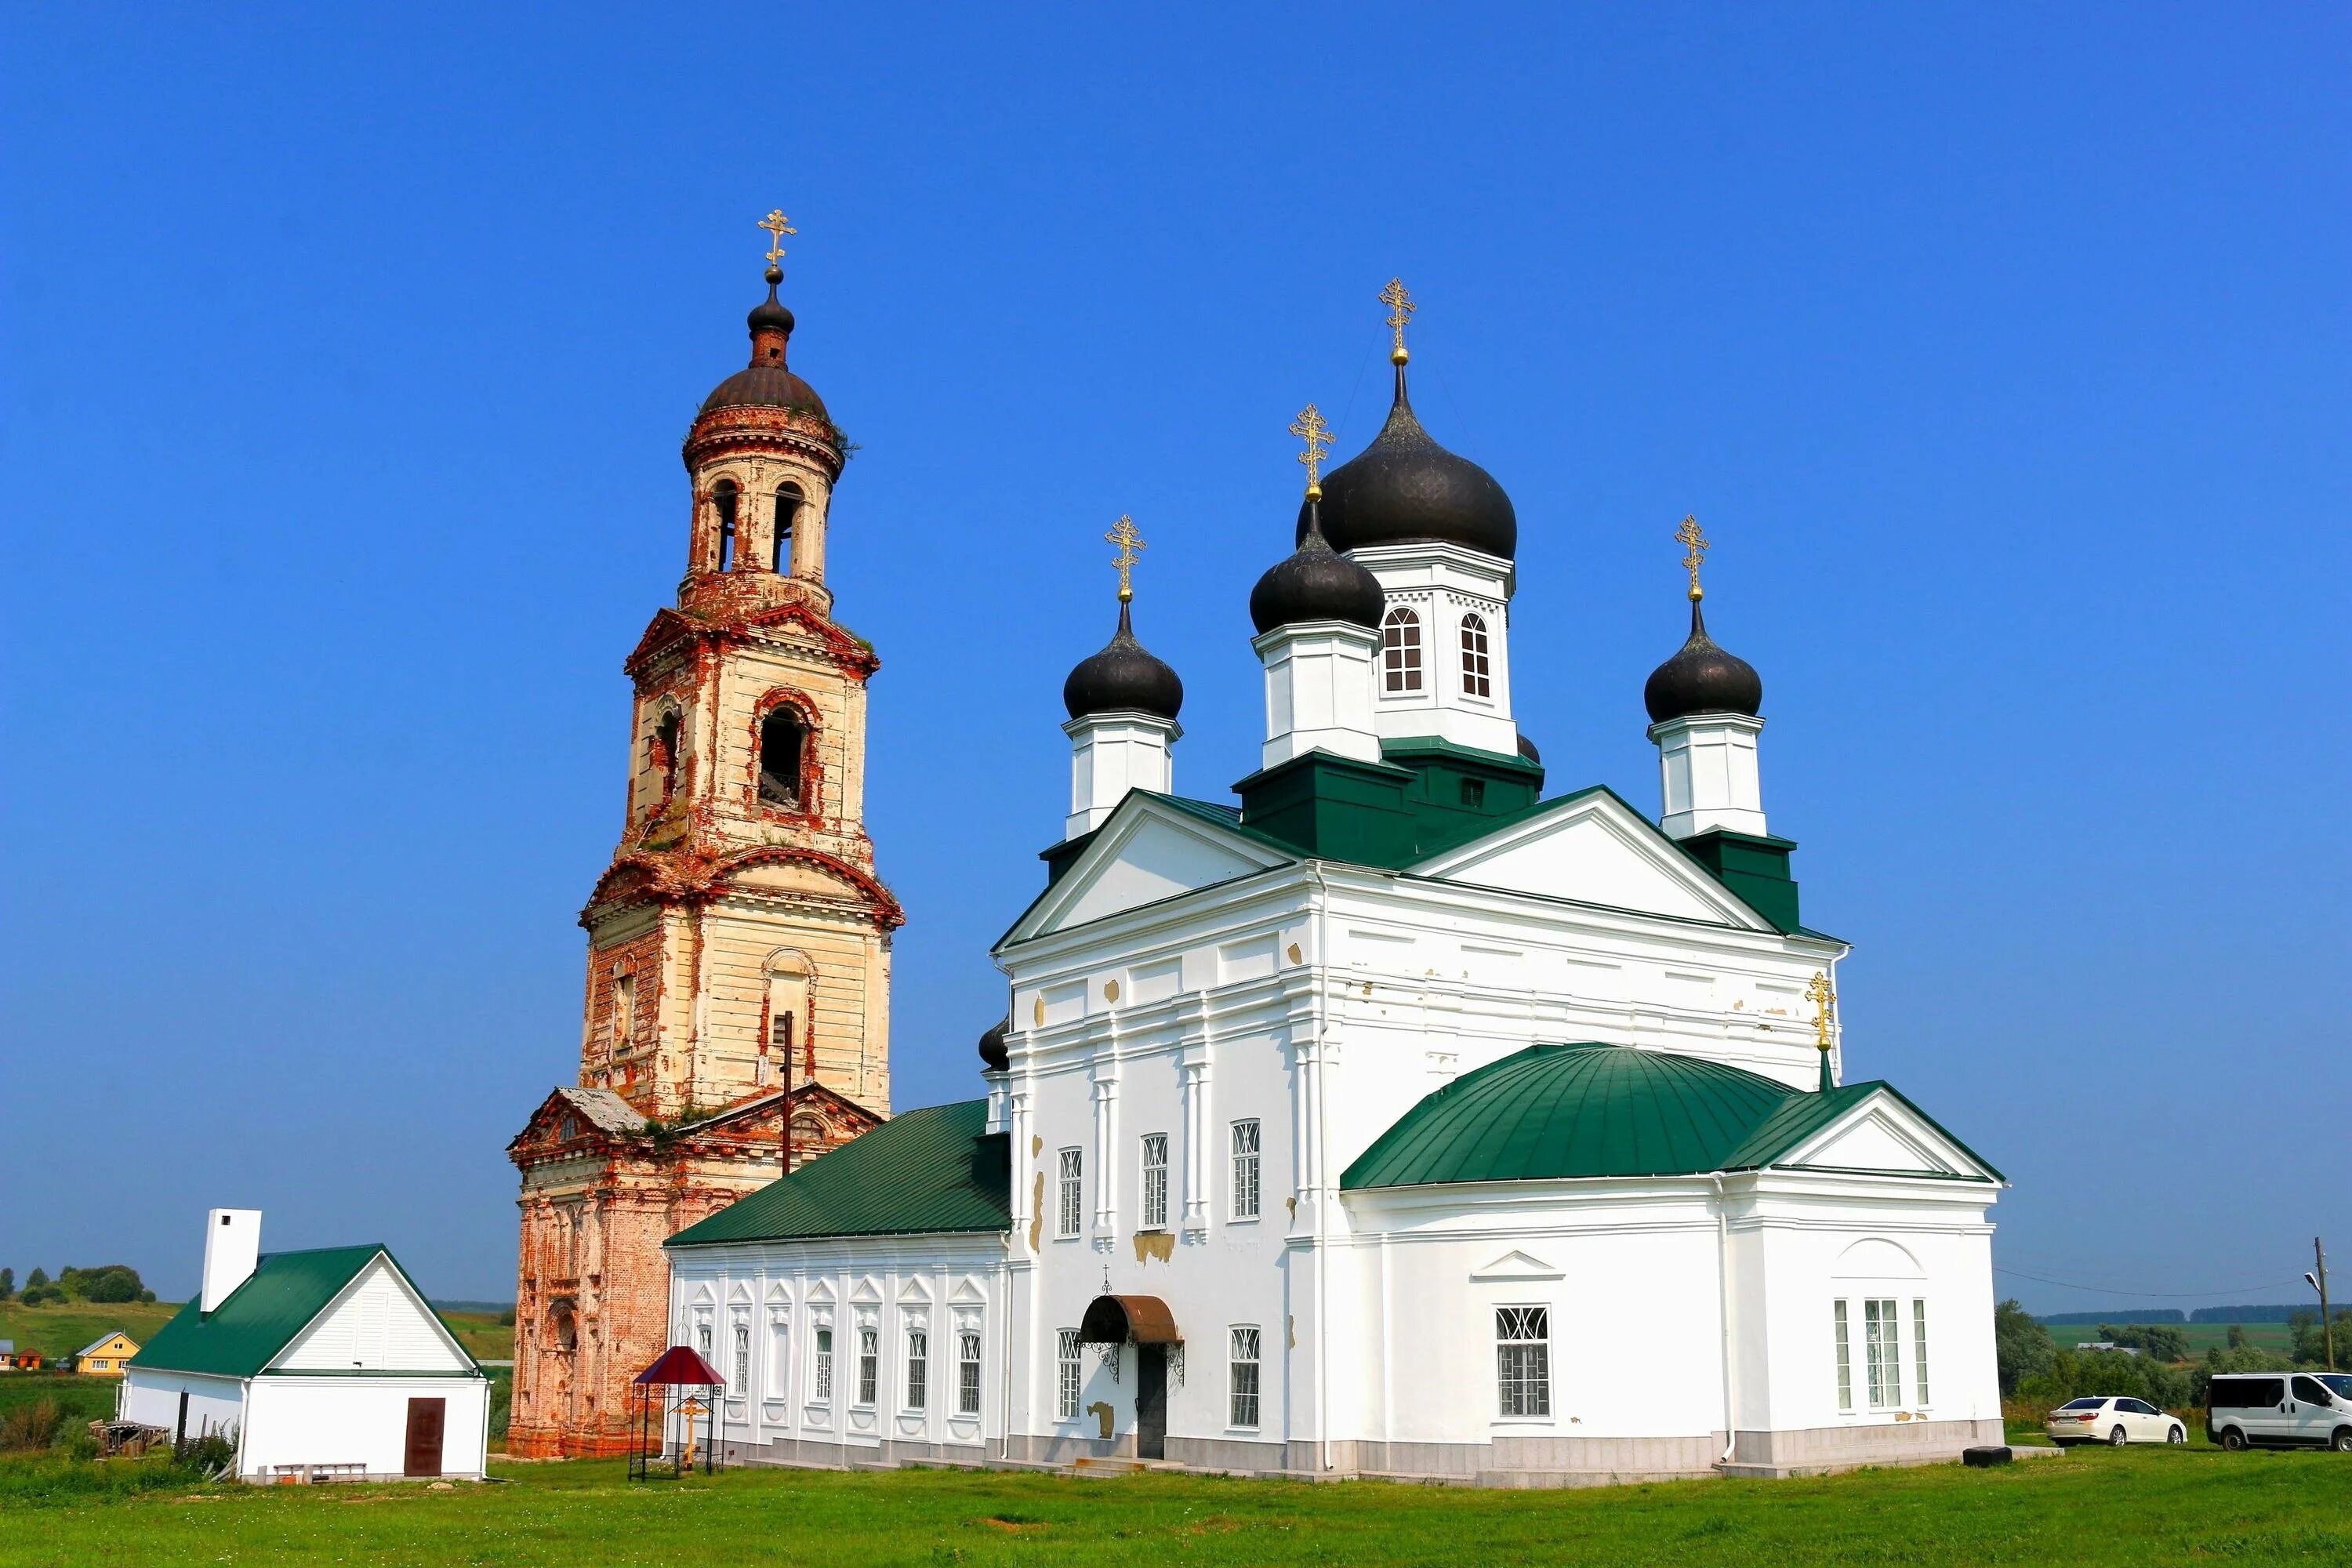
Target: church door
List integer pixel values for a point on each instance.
(422, 1457)
(1152, 1402)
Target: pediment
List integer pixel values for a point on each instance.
(821, 1291)
(1882, 1135)
(780, 1294)
(1515, 1265)
(914, 1291)
(789, 876)
(1148, 851)
(968, 1293)
(866, 1289)
(1593, 848)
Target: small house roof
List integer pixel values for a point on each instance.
(278, 1299)
(921, 1173)
(95, 1345)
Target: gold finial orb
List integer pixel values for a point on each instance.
(1400, 308)
(1695, 543)
(1823, 999)
(1309, 428)
(777, 225)
(1123, 534)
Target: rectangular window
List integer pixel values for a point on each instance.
(968, 1373)
(1919, 1351)
(1882, 1354)
(780, 1353)
(869, 1365)
(1073, 1212)
(739, 1382)
(1844, 1357)
(1523, 1360)
(1155, 1181)
(820, 1375)
(624, 1010)
(1065, 1374)
(918, 1367)
(1242, 1377)
(1246, 1170)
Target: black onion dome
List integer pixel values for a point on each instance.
(993, 1055)
(1316, 583)
(766, 383)
(1701, 679)
(1405, 487)
(1123, 674)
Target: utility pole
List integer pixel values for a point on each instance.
(2327, 1326)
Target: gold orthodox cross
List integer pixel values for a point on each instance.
(777, 225)
(1309, 428)
(1823, 998)
(1399, 304)
(1695, 542)
(1122, 534)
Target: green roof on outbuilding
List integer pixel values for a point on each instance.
(277, 1300)
(927, 1172)
(1560, 1111)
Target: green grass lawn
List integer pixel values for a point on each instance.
(61, 1329)
(80, 1400)
(482, 1334)
(2093, 1507)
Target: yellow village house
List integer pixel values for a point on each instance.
(105, 1356)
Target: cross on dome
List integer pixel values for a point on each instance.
(777, 225)
(1123, 534)
(1693, 540)
(1400, 308)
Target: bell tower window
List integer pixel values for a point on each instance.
(723, 497)
(662, 751)
(1400, 651)
(784, 758)
(1478, 672)
(788, 511)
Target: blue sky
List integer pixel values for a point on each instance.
(2002, 351)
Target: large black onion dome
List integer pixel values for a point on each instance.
(1405, 487)
(766, 383)
(1315, 582)
(992, 1056)
(1123, 674)
(1701, 679)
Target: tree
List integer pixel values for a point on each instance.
(2244, 1358)
(2237, 1336)
(38, 1277)
(8, 1283)
(110, 1283)
(2311, 1345)
(2022, 1346)
(2161, 1340)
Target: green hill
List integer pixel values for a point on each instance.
(60, 1330)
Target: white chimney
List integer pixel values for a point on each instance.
(232, 1249)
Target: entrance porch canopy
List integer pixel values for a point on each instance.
(1119, 1320)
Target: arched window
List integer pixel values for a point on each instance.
(1477, 672)
(562, 1325)
(784, 759)
(1400, 651)
(788, 512)
(722, 500)
(661, 750)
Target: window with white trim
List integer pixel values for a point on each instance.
(1523, 1360)
(968, 1373)
(1882, 1353)
(821, 1374)
(1242, 1377)
(869, 1364)
(1067, 1381)
(739, 1375)
(1155, 1181)
(918, 1366)
(1845, 1356)
(1400, 651)
(1919, 1349)
(1245, 1148)
(780, 1353)
(1477, 670)
(1072, 1213)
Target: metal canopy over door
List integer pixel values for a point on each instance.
(1152, 1402)
(422, 1454)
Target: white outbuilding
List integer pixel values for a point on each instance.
(319, 1366)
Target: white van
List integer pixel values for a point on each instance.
(2274, 1409)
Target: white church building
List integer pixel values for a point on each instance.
(1398, 1120)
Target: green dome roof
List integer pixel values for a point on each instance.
(1553, 1112)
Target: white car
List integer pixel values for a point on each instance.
(2107, 1419)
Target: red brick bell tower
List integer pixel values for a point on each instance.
(738, 944)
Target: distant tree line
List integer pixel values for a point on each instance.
(2274, 1312)
(107, 1284)
(2038, 1370)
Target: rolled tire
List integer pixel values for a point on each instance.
(2177, 1436)
(2115, 1440)
(2234, 1440)
(2342, 1442)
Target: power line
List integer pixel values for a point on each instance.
(2148, 1295)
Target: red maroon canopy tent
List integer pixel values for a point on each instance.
(679, 1365)
(653, 1410)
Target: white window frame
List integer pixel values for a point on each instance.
(1523, 1362)
(1070, 1214)
(780, 1353)
(1477, 660)
(1882, 1350)
(1248, 1142)
(738, 1365)
(1843, 1327)
(917, 1384)
(1155, 1181)
(1069, 1379)
(869, 1365)
(1919, 1348)
(1245, 1377)
(969, 1351)
(1401, 660)
(820, 1367)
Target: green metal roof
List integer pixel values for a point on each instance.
(1556, 1111)
(244, 1334)
(920, 1173)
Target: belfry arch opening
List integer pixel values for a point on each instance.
(789, 501)
(783, 760)
(724, 497)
